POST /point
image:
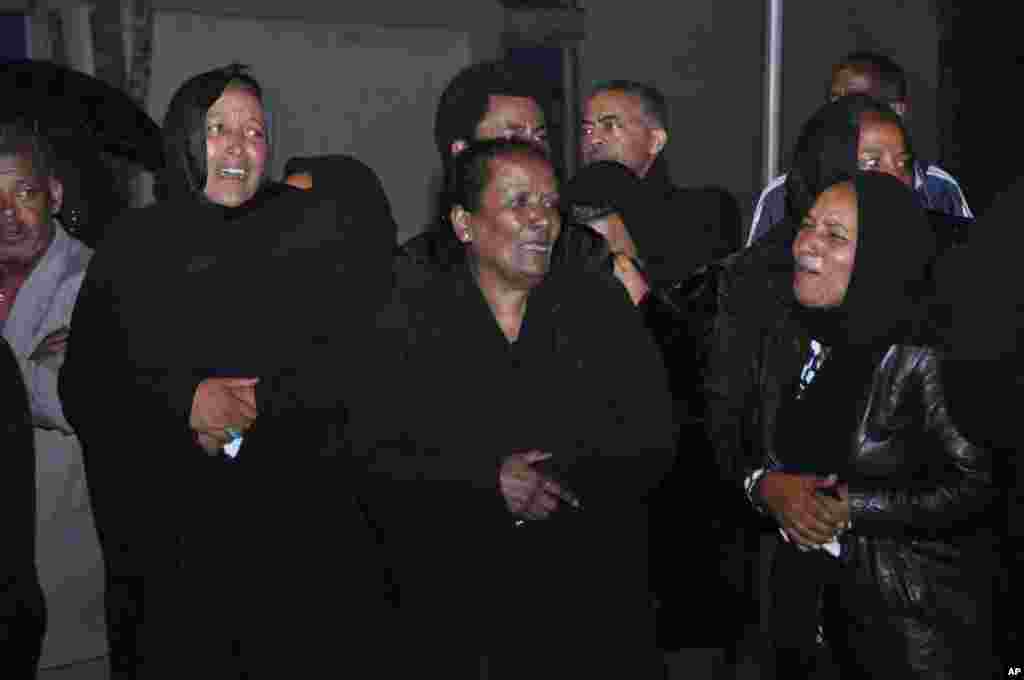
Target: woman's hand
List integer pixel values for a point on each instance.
(807, 517)
(630, 277)
(219, 404)
(528, 492)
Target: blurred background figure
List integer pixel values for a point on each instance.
(41, 270)
(102, 140)
(627, 121)
(496, 99)
(884, 144)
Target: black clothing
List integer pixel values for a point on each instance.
(915, 564)
(22, 608)
(435, 248)
(583, 382)
(238, 567)
(341, 175)
(982, 321)
(698, 226)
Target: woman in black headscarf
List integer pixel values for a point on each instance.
(512, 446)
(848, 446)
(222, 500)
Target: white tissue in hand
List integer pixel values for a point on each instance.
(231, 448)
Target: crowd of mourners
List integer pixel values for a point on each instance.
(532, 441)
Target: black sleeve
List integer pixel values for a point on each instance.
(964, 491)
(632, 447)
(22, 611)
(107, 397)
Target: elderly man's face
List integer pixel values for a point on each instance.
(26, 205)
(825, 248)
(615, 128)
(514, 118)
(236, 147)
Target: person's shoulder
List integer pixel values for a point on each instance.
(582, 292)
(144, 227)
(936, 174)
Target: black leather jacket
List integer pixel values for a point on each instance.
(923, 492)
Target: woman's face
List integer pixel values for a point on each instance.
(825, 248)
(236, 147)
(511, 234)
(881, 148)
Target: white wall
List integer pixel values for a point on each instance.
(366, 91)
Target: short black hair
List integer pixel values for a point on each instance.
(19, 136)
(652, 101)
(466, 99)
(890, 78)
(472, 168)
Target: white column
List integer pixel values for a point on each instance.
(78, 37)
(772, 128)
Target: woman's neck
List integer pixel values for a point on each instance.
(508, 304)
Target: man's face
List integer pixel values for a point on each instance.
(881, 148)
(514, 118)
(615, 128)
(236, 147)
(26, 204)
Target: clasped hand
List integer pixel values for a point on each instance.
(527, 491)
(808, 517)
(220, 404)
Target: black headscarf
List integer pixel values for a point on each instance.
(605, 187)
(826, 150)
(886, 302)
(184, 130)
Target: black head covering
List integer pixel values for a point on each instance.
(889, 291)
(826, 150)
(184, 130)
(605, 187)
(336, 172)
